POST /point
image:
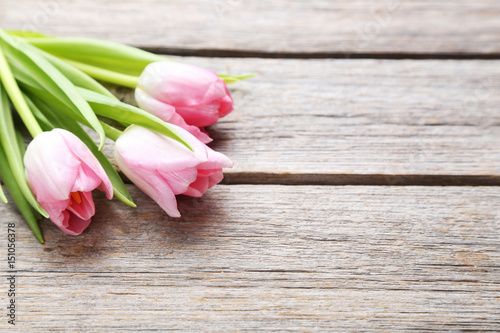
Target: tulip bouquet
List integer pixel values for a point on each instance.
(51, 86)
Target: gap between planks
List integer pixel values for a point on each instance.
(227, 53)
(263, 178)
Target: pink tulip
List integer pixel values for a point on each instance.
(62, 173)
(198, 95)
(163, 167)
(167, 113)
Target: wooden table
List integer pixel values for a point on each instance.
(365, 192)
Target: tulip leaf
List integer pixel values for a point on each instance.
(20, 142)
(2, 195)
(228, 79)
(22, 149)
(76, 76)
(38, 93)
(13, 91)
(128, 114)
(50, 78)
(12, 152)
(104, 74)
(12, 172)
(26, 33)
(40, 117)
(99, 53)
(17, 195)
(60, 120)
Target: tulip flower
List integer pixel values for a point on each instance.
(163, 167)
(62, 173)
(198, 95)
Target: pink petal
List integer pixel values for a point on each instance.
(160, 109)
(139, 148)
(73, 225)
(151, 183)
(201, 114)
(50, 170)
(179, 181)
(85, 209)
(91, 174)
(216, 160)
(167, 113)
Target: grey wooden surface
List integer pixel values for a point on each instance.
(272, 258)
(337, 121)
(320, 27)
(256, 255)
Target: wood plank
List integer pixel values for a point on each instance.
(254, 257)
(360, 121)
(318, 28)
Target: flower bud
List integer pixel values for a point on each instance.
(62, 173)
(162, 167)
(198, 95)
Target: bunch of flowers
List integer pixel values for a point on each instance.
(51, 86)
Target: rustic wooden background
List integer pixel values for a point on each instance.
(365, 193)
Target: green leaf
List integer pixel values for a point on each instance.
(20, 142)
(2, 195)
(17, 195)
(10, 84)
(12, 172)
(129, 114)
(99, 53)
(106, 75)
(12, 152)
(25, 33)
(38, 93)
(119, 189)
(45, 123)
(50, 78)
(228, 79)
(22, 149)
(76, 76)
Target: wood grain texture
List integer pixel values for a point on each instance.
(272, 258)
(278, 26)
(335, 121)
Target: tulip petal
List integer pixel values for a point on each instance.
(50, 169)
(226, 104)
(216, 160)
(167, 113)
(154, 151)
(84, 209)
(158, 108)
(206, 179)
(201, 114)
(179, 181)
(198, 187)
(73, 225)
(155, 187)
(91, 174)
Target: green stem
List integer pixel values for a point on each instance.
(111, 132)
(16, 97)
(102, 74)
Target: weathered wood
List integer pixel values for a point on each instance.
(322, 27)
(360, 121)
(287, 258)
